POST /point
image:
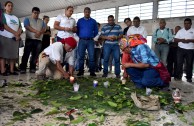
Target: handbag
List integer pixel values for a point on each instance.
(162, 70)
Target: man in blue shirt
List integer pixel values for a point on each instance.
(111, 33)
(86, 30)
(162, 37)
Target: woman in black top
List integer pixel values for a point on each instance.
(47, 34)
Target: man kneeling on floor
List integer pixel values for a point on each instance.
(146, 69)
(51, 58)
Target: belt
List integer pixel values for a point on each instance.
(86, 38)
(161, 43)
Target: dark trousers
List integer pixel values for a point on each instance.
(31, 46)
(187, 55)
(172, 61)
(145, 77)
(97, 54)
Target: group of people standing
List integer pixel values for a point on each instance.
(176, 50)
(144, 67)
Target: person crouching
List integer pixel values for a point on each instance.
(51, 58)
(146, 69)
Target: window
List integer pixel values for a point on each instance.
(51, 22)
(77, 16)
(101, 16)
(175, 8)
(144, 11)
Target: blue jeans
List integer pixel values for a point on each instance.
(145, 77)
(82, 46)
(161, 51)
(115, 50)
(76, 59)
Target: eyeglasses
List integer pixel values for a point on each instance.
(36, 12)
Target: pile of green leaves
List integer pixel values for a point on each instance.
(95, 101)
(17, 115)
(60, 92)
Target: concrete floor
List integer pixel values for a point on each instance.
(187, 91)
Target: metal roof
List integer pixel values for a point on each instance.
(23, 8)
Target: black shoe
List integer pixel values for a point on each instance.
(16, 69)
(118, 76)
(4, 74)
(104, 75)
(92, 74)
(80, 74)
(189, 80)
(13, 73)
(22, 71)
(32, 70)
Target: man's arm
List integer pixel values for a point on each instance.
(183, 40)
(155, 37)
(71, 70)
(28, 27)
(60, 68)
(95, 28)
(170, 36)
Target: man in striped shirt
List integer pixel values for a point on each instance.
(111, 33)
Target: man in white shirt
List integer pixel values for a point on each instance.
(185, 40)
(137, 29)
(51, 58)
(65, 24)
(97, 49)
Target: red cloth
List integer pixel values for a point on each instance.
(164, 74)
(70, 41)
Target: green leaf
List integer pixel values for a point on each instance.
(100, 110)
(55, 104)
(53, 111)
(92, 124)
(63, 124)
(20, 116)
(49, 124)
(75, 97)
(112, 104)
(102, 118)
(92, 117)
(78, 120)
(142, 124)
(89, 110)
(85, 96)
(38, 110)
(17, 113)
(126, 88)
(61, 118)
(100, 93)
